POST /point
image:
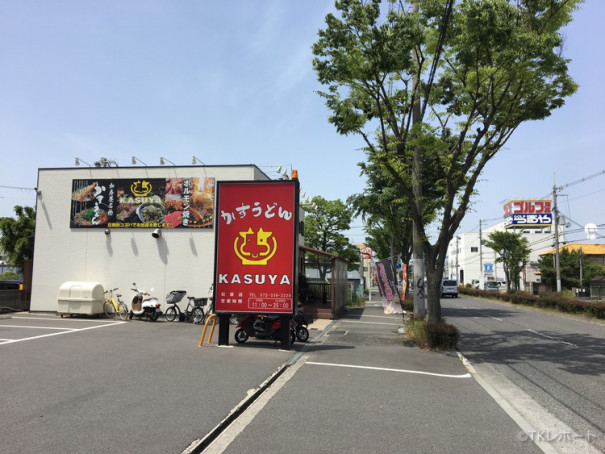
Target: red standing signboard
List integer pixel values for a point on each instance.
(256, 243)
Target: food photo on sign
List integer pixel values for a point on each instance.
(136, 203)
(256, 248)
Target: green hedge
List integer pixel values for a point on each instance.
(545, 300)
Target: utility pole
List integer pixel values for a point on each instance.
(556, 215)
(457, 250)
(581, 269)
(481, 273)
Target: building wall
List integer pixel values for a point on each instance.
(463, 251)
(181, 259)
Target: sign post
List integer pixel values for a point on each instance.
(256, 251)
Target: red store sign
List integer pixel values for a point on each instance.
(256, 243)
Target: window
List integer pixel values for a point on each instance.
(474, 249)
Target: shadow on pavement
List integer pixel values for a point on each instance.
(578, 354)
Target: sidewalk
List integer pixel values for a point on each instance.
(360, 387)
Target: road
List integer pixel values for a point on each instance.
(550, 367)
(96, 386)
(362, 388)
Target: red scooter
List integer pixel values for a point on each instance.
(261, 327)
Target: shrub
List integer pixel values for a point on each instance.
(432, 335)
(546, 300)
(408, 305)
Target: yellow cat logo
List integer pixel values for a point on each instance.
(257, 252)
(141, 188)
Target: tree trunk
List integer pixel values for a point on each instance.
(434, 275)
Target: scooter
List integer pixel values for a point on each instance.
(261, 327)
(144, 305)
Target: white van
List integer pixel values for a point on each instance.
(449, 287)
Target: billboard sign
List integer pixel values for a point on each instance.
(528, 213)
(365, 251)
(142, 203)
(256, 246)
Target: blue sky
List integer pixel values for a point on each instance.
(231, 82)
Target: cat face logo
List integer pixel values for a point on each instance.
(255, 248)
(141, 188)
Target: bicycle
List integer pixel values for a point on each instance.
(113, 308)
(193, 312)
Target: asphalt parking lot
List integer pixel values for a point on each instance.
(96, 385)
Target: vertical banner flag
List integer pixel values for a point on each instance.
(387, 286)
(404, 280)
(256, 245)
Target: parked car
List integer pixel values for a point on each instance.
(492, 286)
(449, 287)
(475, 283)
(11, 285)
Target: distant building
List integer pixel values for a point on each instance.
(593, 252)
(464, 258)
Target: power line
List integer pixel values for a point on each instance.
(16, 187)
(581, 180)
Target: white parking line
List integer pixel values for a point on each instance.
(70, 319)
(370, 316)
(38, 327)
(389, 370)
(370, 323)
(64, 331)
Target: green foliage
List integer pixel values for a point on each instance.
(385, 215)
(324, 222)
(569, 264)
(9, 276)
(15, 236)
(445, 87)
(546, 301)
(432, 335)
(513, 252)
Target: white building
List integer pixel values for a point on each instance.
(91, 227)
(469, 263)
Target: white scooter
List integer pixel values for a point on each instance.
(144, 305)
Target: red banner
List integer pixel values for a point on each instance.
(404, 281)
(256, 242)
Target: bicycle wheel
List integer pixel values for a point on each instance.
(197, 314)
(302, 334)
(171, 314)
(109, 309)
(122, 310)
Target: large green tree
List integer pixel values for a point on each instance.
(15, 236)
(513, 252)
(443, 83)
(384, 214)
(325, 220)
(569, 265)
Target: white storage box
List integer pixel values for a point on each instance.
(80, 298)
